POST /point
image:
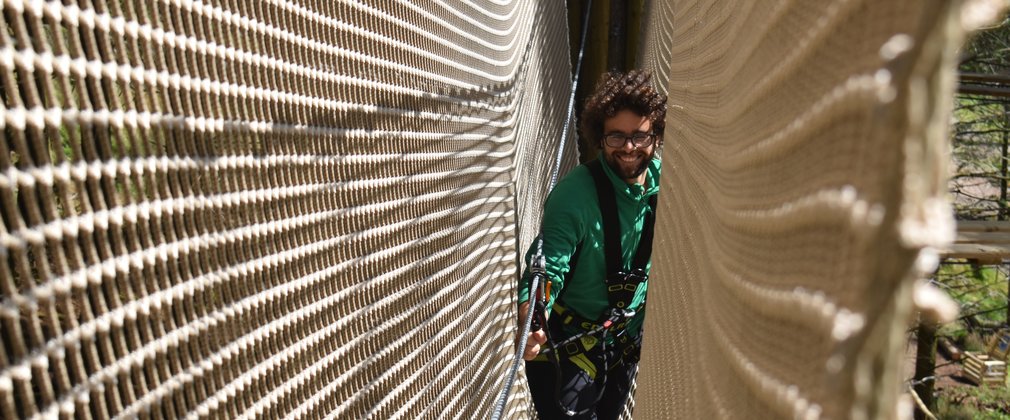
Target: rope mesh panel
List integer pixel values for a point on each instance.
(313, 209)
(804, 179)
(265, 209)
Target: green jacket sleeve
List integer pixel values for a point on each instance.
(563, 228)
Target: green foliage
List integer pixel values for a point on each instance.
(973, 341)
(979, 290)
(988, 51)
(974, 403)
(980, 138)
(981, 132)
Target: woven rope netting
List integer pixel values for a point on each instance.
(315, 208)
(270, 208)
(804, 180)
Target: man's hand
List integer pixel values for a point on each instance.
(535, 339)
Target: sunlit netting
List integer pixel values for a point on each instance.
(270, 208)
(804, 174)
(314, 209)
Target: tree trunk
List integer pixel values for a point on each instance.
(925, 365)
(1002, 201)
(1003, 166)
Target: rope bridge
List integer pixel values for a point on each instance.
(314, 209)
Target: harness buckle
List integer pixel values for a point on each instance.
(622, 286)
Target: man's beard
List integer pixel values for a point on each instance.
(626, 172)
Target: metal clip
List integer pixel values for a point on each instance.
(538, 265)
(617, 314)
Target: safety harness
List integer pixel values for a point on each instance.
(621, 288)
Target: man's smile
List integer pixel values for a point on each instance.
(630, 158)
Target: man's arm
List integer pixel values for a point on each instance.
(535, 339)
(562, 229)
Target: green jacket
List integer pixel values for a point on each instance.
(572, 223)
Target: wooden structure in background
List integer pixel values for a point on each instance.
(981, 369)
(983, 242)
(989, 368)
(986, 242)
(993, 85)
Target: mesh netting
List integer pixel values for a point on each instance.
(804, 177)
(315, 208)
(270, 208)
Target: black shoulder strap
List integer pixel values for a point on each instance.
(644, 252)
(608, 209)
(612, 226)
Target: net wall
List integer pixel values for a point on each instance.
(804, 177)
(272, 208)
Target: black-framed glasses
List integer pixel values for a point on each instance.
(638, 139)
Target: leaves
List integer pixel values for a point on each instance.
(981, 132)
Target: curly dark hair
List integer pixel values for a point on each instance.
(617, 91)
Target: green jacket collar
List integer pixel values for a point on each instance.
(635, 191)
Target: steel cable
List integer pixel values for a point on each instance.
(499, 407)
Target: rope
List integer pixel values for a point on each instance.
(922, 405)
(499, 407)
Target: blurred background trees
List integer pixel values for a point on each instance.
(980, 139)
(981, 128)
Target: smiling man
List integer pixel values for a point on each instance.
(597, 242)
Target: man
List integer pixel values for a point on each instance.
(597, 292)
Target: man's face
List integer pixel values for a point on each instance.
(627, 161)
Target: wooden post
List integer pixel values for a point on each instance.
(925, 364)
